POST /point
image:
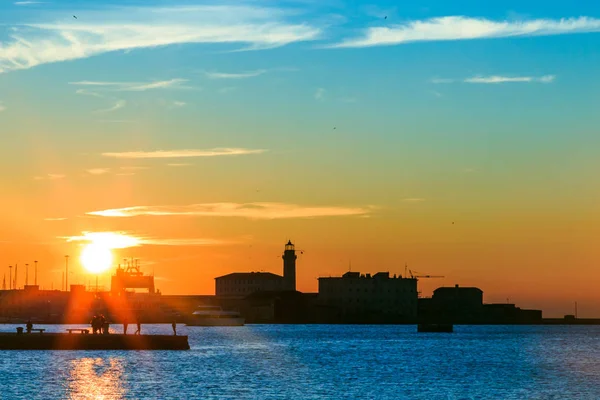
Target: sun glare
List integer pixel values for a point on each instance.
(96, 258)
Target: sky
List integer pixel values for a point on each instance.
(457, 138)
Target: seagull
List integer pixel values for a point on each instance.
(385, 17)
(74, 17)
(334, 127)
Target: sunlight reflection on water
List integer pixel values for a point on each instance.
(96, 378)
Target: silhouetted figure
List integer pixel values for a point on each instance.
(105, 327)
(174, 325)
(94, 323)
(29, 326)
(125, 325)
(139, 328)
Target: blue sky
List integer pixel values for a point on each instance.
(486, 109)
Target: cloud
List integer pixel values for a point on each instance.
(320, 94)
(49, 177)
(118, 105)
(2, 108)
(124, 240)
(124, 28)
(135, 86)
(414, 199)
(98, 171)
(88, 93)
(27, 3)
(179, 165)
(436, 94)
(133, 168)
(241, 75)
(499, 79)
(242, 210)
(468, 28)
(184, 153)
(54, 219)
(508, 79)
(179, 103)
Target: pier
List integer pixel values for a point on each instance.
(82, 341)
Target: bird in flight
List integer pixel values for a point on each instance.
(385, 17)
(74, 17)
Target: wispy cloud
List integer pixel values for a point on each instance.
(123, 240)
(468, 28)
(2, 108)
(241, 210)
(179, 103)
(117, 106)
(54, 219)
(239, 75)
(27, 3)
(494, 79)
(414, 199)
(49, 177)
(135, 86)
(320, 94)
(122, 28)
(179, 165)
(86, 92)
(510, 79)
(184, 153)
(98, 171)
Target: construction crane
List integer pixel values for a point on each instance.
(413, 276)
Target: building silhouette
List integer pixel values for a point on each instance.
(363, 297)
(241, 284)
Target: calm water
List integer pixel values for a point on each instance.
(309, 362)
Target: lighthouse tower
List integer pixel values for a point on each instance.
(289, 266)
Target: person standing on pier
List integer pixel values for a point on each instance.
(125, 324)
(29, 326)
(139, 328)
(174, 326)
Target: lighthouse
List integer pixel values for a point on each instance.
(289, 266)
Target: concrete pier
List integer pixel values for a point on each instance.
(78, 341)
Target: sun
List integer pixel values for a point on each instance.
(96, 258)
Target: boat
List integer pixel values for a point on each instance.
(435, 328)
(84, 341)
(215, 316)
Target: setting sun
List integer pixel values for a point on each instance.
(96, 258)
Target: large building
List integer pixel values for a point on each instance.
(365, 295)
(241, 284)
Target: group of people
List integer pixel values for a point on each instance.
(99, 324)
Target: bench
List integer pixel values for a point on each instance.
(38, 330)
(82, 331)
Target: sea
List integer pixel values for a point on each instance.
(320, 362)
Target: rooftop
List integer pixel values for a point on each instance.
(250, 275)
